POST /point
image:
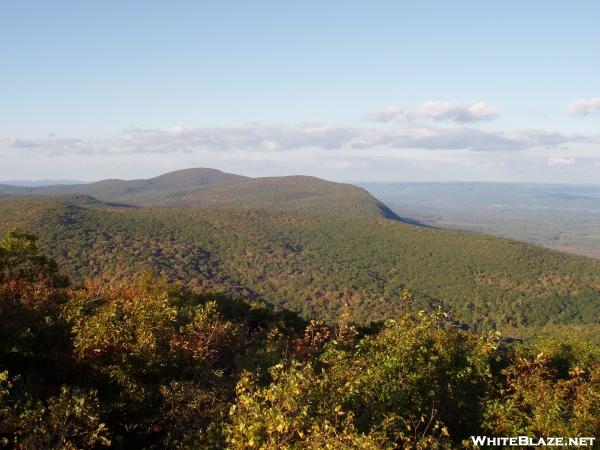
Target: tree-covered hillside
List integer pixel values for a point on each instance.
(141, 364)
(561, 217)
(293, 193)
(212, 188)
(316, 264)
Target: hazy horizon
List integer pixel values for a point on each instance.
(343, 91)
(38, 182)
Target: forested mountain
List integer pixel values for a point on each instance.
(303, 244)
(203, 188)
(249, 313)
(315, 264)
(115, 189)
(292, 193)
(141, 364)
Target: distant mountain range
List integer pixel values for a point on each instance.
(39, 183)
(205, 188)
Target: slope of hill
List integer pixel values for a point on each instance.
(562, 217)
(314, 264)
(292, 193)
(141, 363)
(215, 189)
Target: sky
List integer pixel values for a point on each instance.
(350, 91)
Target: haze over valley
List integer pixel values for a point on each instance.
(562, 217)
(299, 225)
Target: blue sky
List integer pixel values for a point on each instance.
(391, 91)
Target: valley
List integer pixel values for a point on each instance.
(305, 245)
(561, 217)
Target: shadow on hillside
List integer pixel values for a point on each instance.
(391, 215)
(411, 221)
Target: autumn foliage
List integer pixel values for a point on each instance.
(144, 364)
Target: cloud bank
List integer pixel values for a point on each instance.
(262, 138)
(456, 112)
(439, 111)
(560, 161)
(584, 107)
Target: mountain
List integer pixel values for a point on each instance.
(292, 193)
(122, 190)
(315, 264)
(193, 177)
(202, 188)
(38, 183)
(7, 189)
(304, 244)
(112, 188)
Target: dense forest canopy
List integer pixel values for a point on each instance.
(280, 313)
(145, 364)
(314, 264)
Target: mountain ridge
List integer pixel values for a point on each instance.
(210, 188)
(315, 264)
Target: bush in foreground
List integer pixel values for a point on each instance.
(143, 364)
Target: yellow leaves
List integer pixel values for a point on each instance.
(576, 372)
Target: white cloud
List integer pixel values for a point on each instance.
(253, 138)
(261, 138)
(270, 146)
(388, 114)
(457, 112)
(560, 161)
(584, 107)
(438, 111)
(460, 138)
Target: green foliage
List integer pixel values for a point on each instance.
(32, 295)
(421, 369)
(123, 321)
(414, 384)
(154, 363)
(161, 355)
(68, 421)
(553, 393)
(20, 258)
(290, 413)
(314, 264)
(145, 363)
